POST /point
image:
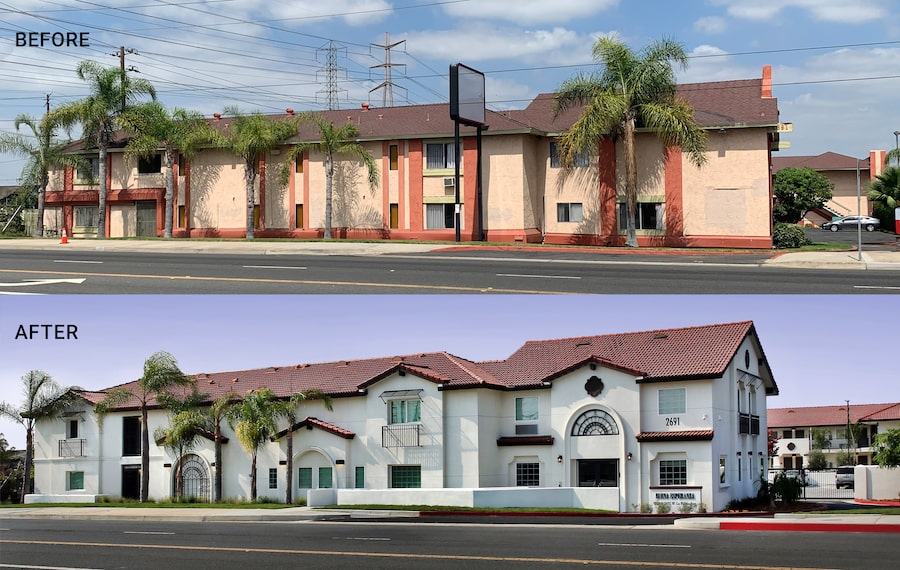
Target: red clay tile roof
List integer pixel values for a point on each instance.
(670, 354)
(824, 161)
(815, 416)
(315, 422)
(681, 435)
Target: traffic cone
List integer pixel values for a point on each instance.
(65, 238)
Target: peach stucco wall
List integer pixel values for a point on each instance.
(729, 196)
(218, 195)
(354, 203)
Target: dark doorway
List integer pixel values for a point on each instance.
(146, 218)
(598, 472)
(131, 481)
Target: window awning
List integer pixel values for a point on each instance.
(396, 394)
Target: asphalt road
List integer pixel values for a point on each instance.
(86, 544)
(108, 272)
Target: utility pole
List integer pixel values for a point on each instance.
(849, 433)
(387, 86)
(121, 53)
(48, 103)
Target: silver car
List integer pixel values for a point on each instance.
(844, 477)
(868, 223)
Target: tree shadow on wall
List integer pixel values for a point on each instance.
(353, 203)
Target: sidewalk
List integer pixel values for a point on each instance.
(872, 260)
(793, 522)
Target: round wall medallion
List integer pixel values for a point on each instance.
(593, 386)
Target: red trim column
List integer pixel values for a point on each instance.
(187, 198)
(386, 184)
(470, 184)
(608, 214)
(262, 192)
(674, 209)
(416, 186)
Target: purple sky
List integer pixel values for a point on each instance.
(816, 359)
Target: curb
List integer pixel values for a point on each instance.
(809, 526)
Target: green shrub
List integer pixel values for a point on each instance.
(787, 236)
(685, 507)
(663, 508)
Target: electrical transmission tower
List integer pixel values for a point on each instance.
(331, 71)
(387, 86)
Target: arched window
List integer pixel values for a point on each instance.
(595, 422)
(196, 478)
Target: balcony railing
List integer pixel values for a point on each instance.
(71, 447)
(748, 424)
(400, 435)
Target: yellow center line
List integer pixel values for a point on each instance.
(286, 281)
(464, 557)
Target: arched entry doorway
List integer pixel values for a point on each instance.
(596, 445)
(196, 477)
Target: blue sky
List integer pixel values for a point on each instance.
(816, 359)
(836, 64)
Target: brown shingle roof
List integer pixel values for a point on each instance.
(815, 416)
(819, 162)
(681, 353)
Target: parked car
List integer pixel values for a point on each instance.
(844, 477)
(868, 223)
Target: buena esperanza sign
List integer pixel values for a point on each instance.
(54, 39)
(675, 497)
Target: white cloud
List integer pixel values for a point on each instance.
(711, 25)
(530, 12)
(840, 11)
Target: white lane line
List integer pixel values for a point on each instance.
(538, 276)
(644, 545)
(45, 567)
(360, 538)
(32, 282)
(271, 267)
(76, 261)
(876, 287)
(144, 532)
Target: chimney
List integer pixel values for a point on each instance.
(217, 116)
(365, 106)
(767, 82)
(289, 111)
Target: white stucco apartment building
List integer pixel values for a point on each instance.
(613, 422)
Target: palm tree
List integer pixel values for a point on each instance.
(185, 427)
(335, 141)
(253, 419)
(212, 422)
(288, 410)
(44, 399)
(112, 92)
(885, 193)
(631, 91)
(161, 373)
(44, 153)
(178, 131)
(249, 137)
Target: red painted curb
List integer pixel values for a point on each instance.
(879, 503)
(810, 527)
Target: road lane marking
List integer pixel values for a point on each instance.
(293, 282)
(538, 276)
(271, 267)
(876, 287)
(45, 567)
(644, 545)
(75, 261)
(144, 532)
(32, 282)
(410, 556)
(359, 538)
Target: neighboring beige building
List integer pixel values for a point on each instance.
(842, 171)
(525, 197)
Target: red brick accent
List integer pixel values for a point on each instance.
(608, 214)
(674, 208)
(69, 178)
(402, 198)
(470, 187)
(767, 82)
(416, 186)
(385, 183)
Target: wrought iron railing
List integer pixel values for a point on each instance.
(400, 435)
(72, 447)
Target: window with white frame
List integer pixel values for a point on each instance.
(440, 156)
(72, 431)
(326, 477)
(673, 472)
(406, 476)
(150, 165)
(647, 216)
(304, 478)
(723, 471)
(89, 171)
(74, 480)
(671, 401)
(526, 415)
(273, 478)
(569, 212)
(405, 411)
(528, 474)
(360, 478)
(440, 216)
(582, 157)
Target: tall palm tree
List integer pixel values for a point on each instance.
(336, 141)
(161, 374)
(631, 91)
(176, 131)
(184, 429)
(44, 153)
(44, 399)
(213, 416)
(112, 92)
(249, 136)
(885, 193)
(288, 410)
(254, 420)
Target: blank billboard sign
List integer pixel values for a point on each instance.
(466, 95)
